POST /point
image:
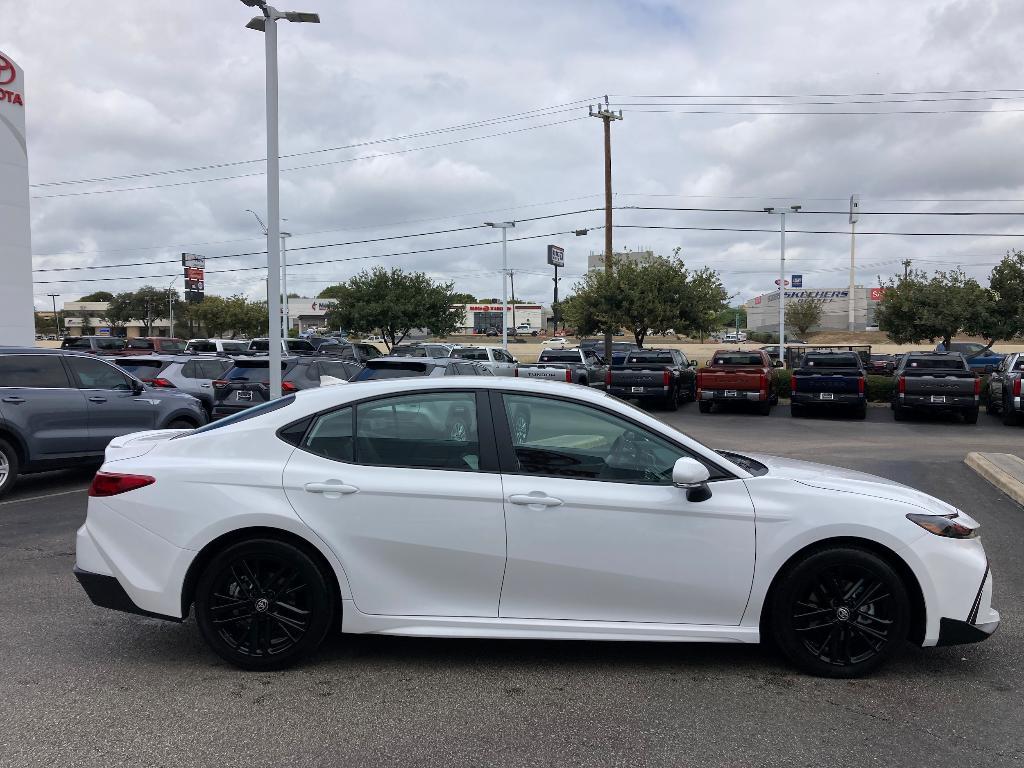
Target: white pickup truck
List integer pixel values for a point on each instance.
(575, 366)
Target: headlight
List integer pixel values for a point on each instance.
(943, 525)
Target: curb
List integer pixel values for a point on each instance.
(1004, 470)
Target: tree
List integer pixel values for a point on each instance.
(463, 298)
(98, 296)
(803, 314)
(648, 296)
(1002, 317)
(219, 315)
(142, 305)
(916, 307)
(393, 301)
(727, 317)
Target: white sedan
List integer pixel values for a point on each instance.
(505, 508)
(556, 342)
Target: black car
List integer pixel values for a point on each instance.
(408, 367)
(247, 383)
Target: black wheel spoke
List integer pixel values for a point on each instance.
(229, 605)
(233, 619)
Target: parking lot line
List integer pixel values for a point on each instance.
(43, 496)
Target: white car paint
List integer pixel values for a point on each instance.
(556, 342)
(429, 552)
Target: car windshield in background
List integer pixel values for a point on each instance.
(203, 346)
(663, 358)
(298, 345)
(108, 344)
(918, 363)
(257, 371)
(881, 358)
(559, 357)
(738, 360)
(391, 370)
(831, 361)
(470, 354)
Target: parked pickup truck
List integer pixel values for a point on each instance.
(934, 382)
(664, 375)
(978, 356)
(829, 380)
(576, 366)
(1004, 395)
(737, 376)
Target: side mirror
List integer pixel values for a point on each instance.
(778, 364)
(137, 387)
(692, 364)
(692, 476)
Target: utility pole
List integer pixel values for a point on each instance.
(554, 304)
(782, 279)
(284, 282)
(512, 283)
(906, 268)
(607, 115)
(56, 317)
(854, 216)
(504, 226)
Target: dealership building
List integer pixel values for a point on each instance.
(477, 318)
(763, 310)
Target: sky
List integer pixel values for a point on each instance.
(403, 119)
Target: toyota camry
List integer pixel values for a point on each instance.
(479, 507)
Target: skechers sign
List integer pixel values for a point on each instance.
(8, 74)
(808, 294)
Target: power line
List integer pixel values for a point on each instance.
(814, 103)
(817, 95)
(529, 114)
(310, 165)
(822, 231)
(823, 112)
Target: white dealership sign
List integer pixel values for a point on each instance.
(17, 324)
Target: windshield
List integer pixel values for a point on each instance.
(399, 371)
(172, 346)
(201, 346)
(663, 358)
(299, 345)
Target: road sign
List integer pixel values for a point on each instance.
(777, 281)
(798, 281)
(556, 256)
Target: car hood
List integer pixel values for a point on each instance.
(850, 481)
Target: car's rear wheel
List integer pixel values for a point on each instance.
(840, 613)
(181, 424)
(899, 413)
(9, 466)
(765, 408)
(971, 416)
(860, 412)
(796, 410)
(1010, 417)
(263, 604)
(990, 406)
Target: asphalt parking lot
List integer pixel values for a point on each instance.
(84, 686)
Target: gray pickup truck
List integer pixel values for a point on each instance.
(1004, 395)
(575, 366)
(936, 382)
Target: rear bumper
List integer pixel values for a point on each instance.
(646, 393)
(220, 411)
(720, 396)
(838, 399)
(107, 592)
(952, 402)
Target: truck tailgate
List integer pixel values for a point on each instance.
(553, 372)
(837, 383)
(938, 383)
(638, 377)
(737, 380)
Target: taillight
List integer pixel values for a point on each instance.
(977, 385)
(287, 386)
(792, 383)
(220, 383)
(764, 381)
(860, 386)
(901, 384)
(568, 376)
(608, 378)
(666, 378)
(160, 382)
(113, 483)
(1016, 387)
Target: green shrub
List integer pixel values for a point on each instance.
(879, 388)
(760, 337)
(780, 382)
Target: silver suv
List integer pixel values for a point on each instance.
(58, 409)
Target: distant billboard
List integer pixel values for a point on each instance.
(194, 266)
(556, 256)
(798, 281)
(876, 294)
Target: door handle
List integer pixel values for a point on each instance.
(13, 399)
(330, 487)
(97, 399)
(205, 386)
(534, 499)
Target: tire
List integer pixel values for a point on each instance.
(240, 613)
(765, 408)
(9, 467)
(990, 407)
(797, 411)
(899, 413)
(672, 403)
(705, 406)
(827, 617)
(1010, 416)
(971, 415)
(180, 424)
(860, 412)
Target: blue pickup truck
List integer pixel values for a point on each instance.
(979, 357)
(829, 380)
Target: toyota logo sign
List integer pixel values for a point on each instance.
(7, 72)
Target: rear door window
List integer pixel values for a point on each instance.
(211, 369)
(33, 371)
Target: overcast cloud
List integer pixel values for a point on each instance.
(131, 86)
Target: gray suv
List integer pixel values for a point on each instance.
(190, 374)
(61, 408)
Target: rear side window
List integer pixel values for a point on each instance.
(336, 369)
(35, 371)
(102, 343)
(78, 342)
(331, 436)
(96, 374)
(211, 369)
(136, 344)
(369, 351)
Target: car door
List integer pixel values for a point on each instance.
(40, 403)
(502, 365)
(405, 490)
(596, 530)
(114, 406)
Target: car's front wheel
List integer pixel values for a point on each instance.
(263, 604)
(840, 613)
(9, 466)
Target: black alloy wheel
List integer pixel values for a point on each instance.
(263, 604)
(841, 613)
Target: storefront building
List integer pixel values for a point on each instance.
(763, 310)
(477, 318)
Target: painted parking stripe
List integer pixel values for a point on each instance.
(44, 496)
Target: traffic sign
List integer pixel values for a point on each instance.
(777, 281)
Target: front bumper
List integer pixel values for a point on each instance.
(981, 622)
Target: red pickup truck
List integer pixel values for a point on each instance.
(733, 376)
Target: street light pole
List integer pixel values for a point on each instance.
(267, 24)
(170, 307)
(56, 317)
(504, 226)
(782, 278)
(854, 216)
(284, 283)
